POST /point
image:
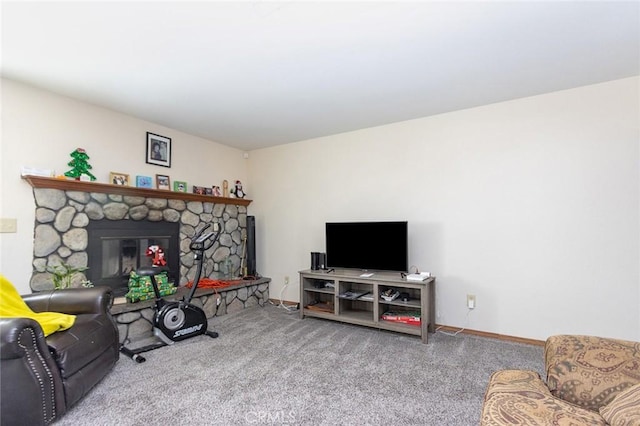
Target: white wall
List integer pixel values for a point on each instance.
(40, 129)
(532, 205)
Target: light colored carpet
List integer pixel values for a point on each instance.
(270, 367)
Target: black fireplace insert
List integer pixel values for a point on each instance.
(117, 247)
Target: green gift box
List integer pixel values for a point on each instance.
(136, 280)
(140, 288)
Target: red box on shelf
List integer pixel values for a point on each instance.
(411, 318)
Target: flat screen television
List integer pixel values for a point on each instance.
(378, 246)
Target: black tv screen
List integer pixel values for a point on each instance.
(379, 246)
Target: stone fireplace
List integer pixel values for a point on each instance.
(127, 220)
(68, 212)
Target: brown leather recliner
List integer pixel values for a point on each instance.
(41, 378)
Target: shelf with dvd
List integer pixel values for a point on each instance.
(403, 297)
(318, 285)
(383, 300)
(350, 307)
(318, 296)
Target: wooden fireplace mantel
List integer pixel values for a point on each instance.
(106, 188)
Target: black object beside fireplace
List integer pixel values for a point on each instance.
(117, 247)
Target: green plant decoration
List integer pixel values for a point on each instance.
(64, 273)
(80, 165)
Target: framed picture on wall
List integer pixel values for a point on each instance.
(158, 150)
(163, 182)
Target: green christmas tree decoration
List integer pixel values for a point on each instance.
(80, 165)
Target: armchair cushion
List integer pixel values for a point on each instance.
(520, 397)
(590, 371)
(624, 410)
(90, 336)
(13, 306)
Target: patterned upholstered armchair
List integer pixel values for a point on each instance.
(590, 381)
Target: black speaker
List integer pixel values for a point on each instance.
(315, 260)
(322, 261)
(251, 246)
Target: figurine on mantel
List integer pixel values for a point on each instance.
(80, 165)
(237, 191)
(225, 189)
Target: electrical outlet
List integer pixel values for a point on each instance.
(216, 226)
(471, 301)
(286, 280)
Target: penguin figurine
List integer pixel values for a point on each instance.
(237, 191)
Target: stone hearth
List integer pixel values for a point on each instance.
(135, 319)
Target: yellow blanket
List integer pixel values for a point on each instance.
(12, 305)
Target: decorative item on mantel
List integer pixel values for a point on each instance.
(163, 182)
(144, 182)
(80, 165)
(117, 178)
(225, 188)
(237, 191)
(33, 171)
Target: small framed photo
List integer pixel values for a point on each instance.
(179, 186)
(158, 150)
(163, 182)
(119, 178)
(144, 182)
(198, 190)
(216, 191)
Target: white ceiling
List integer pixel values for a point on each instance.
(257, 74)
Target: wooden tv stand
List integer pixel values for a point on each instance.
(323, 295)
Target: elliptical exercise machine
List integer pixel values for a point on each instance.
(177, 320)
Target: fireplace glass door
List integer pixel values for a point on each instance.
(116, 248)
(121, 256)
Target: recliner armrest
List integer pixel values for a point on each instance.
(74, 301)
(31, 390)
(10, 331)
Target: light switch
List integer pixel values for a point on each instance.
(8, 225)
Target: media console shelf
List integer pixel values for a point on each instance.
(344, 295)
